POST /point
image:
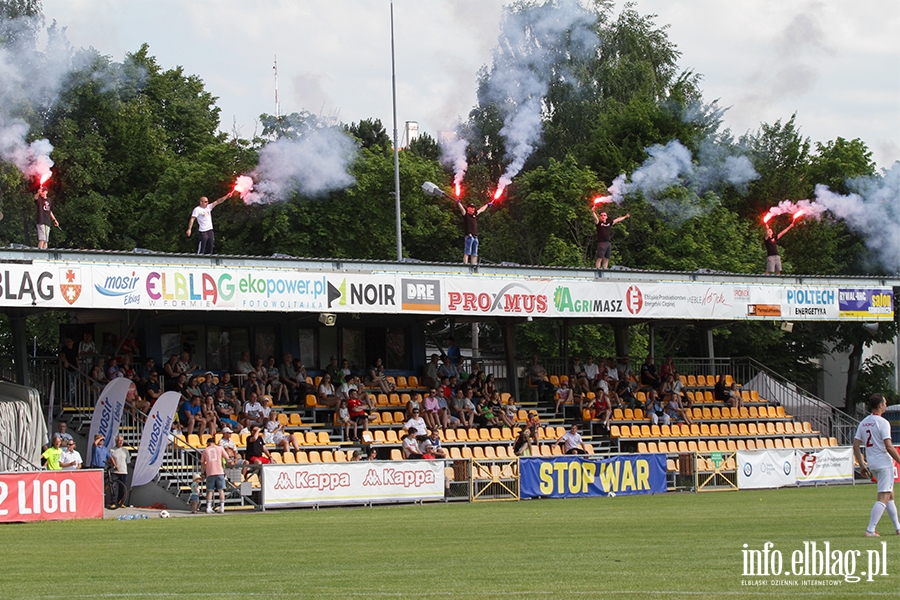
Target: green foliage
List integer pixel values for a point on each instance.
(371, 135)
(876, 376)
(425, 147)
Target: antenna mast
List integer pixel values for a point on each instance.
(277, 105)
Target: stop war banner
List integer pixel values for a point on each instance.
(575, 476)
(51, 495)
(352, 483)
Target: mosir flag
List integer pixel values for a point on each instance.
(108, 413)
(154, 439)
(51, 495)
(352, 483)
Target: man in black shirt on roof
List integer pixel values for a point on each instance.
(470, 223)
(604, 235)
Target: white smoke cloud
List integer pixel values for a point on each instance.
(673, 165)
(527, 55)
(872, 212)
(453, 154)
(312, 165)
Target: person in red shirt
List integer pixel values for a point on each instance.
(358, 414)
(213, 462)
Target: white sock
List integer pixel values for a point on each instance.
(877, 511)
(892, 513)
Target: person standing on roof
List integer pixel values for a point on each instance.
(604, 236)
(470, 224)
(202, 213)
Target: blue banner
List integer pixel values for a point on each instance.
(578, 476)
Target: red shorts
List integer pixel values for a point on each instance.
(263, 460)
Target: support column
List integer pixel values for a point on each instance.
(512, 371)
(711, 351)
(20, 348)
(651, 330)
(623, 344)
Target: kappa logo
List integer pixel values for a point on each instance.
(634, 299)
(71, 288)
(283, 482)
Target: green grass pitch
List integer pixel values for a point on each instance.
(665, 546)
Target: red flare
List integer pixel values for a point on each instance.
(767, 218)
(243, 185)
(45, 178)
(798, 214)
(602, 200)
(498, 193)
(458, 190)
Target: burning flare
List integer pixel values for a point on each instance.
(768, 217)
(798, 214)
(602, 200)
(45, 178)
(243, 186)
(498, 193)
(458, 189)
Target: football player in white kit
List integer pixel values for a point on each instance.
(874, 432)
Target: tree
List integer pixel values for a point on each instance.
(371, 135)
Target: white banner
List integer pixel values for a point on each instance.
(766, 469)
(825, 464)
(155, 438)
(352, 483)
(87, 284)
(108, 414)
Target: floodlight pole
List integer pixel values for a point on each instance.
(396, 142)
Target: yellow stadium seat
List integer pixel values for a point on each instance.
(701, 380)
(716, 412)
(311, 401)
(276, 457)
(401, 382)
(629, 414)
(741, 445)
(770, 428)
(654, 431)
(294, 420)
(704, 430)
(779, 443)
(707, 396)
(618, 414)
(751, 445)
(455, 453)
(614, 431)
(639, 414)
(554, 381)
(394, 400)
(682, 447)
(412, 381)
(691, 381)
(390, 437)
(490, 453)
(302, 457)
(396, 454)
(506, 434)
(484, 434)
(327, 456)
(645, 431)
(340, 456)
(314, 456)
(754, 396)
(665, 431)
(382, 400)
(815, 442)
(643, 447)
(399, 416)
(692, 446)
(742, 429)
(714, 430)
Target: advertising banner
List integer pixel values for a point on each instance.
(60, 284)
(108, 414)
(51, 495)
(154, 439)
(826, 464)
(579, 476)
(766, 469)
(352, 483)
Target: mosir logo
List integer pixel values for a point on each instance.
(634, 300)
(507, 300)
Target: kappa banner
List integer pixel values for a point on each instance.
(155, 438)
(825, 464)
(352, 483)
(578, 476)
(51, 495)
(60, 284)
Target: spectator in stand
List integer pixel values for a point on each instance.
(538, 377)
(343, 418)
(98, 377)
(256, 453)
(626, 394)
(275, 434)
(601, 409)
(416, 422)
(447, 369)
(209, 385)
(358, 414)
(232, 458)
(227, 385)
(410, 445)
(277, 389)
(52, 455)
(152, 391)
(734, 396)
(377, 378)
(672, 387)
(430, 377)
(225, 408)
(345, 369)
(625, 372)
(190, 415)
(119, 457)
(496, 407)
(68, 356)
(446, 420)
(87, 352)
(292, 381)
(522, 445)
(414, 403)
(251, 386)
(62, 433)
(565, 396)
(655, 409)
(243, 366)
(70, 458)
(112, 369)
(126, 366)
(579, 378)
(572, 442)
(143, 372)
(483, 413)
(431, 410)
(99, 453)
(508, 414)
(591, 373)
(212, 461)
(453, 353)
(433, 445)
(327, 394)
(130, 345)
(667, 368)
(445, 389)
(193, 388)
(171, 370)
(134, 404)
(253, 413)
(534, 427)
(465, 409)
(649, 376)
(676, 411)
(720, 393)
(184, 363)
(875, 433)
(334, 370)
(489, 387)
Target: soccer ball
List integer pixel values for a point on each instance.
(164, 514)
(611, 495)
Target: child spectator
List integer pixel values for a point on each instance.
(344, 419)
(195, 494)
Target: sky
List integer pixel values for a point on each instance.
(836, 64)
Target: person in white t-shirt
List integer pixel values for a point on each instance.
(202, 213)
(70, 459)
(874, 432)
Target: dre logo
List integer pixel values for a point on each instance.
(421, 294)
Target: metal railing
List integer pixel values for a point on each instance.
(12, 461)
